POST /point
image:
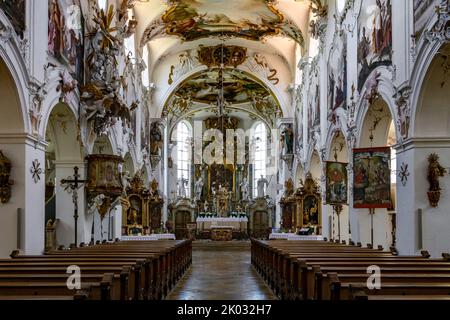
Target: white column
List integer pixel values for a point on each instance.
(65, 207)
(27, 232)
(166, 195)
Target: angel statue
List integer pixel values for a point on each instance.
(126, 178)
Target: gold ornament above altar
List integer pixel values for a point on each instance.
(229, 56)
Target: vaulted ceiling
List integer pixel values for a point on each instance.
(277, 29)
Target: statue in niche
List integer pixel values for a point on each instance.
(287, 137)
(222, 200)
(244, 189)
(156, 139)
(262, 182)
(199, 189)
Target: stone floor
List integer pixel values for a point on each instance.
(221, 271)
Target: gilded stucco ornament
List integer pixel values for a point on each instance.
(441, 30)
(101, 99)
(403, 110)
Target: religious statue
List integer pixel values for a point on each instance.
(156, 139)
(199, 189)
(262, 182)
(96, 204)
(222, 201)
(132, 216)
(182, 183)
(126, 178)
(435, 170)
(244, 189)
(287, 137)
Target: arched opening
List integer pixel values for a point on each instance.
(378, 130)
(432, 135)
(12, 122)
(260, 155)
(63, 153)
(182, 136)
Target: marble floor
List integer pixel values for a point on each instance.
(221, 271)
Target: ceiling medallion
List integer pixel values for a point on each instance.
(229, 56)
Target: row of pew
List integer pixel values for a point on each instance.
(121, 270)
(323, 270)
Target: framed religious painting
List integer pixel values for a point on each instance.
(374, 38)
(336, 183)
(15, 11)
(372, 178)
(66, 35)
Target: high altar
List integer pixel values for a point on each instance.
(220, 208)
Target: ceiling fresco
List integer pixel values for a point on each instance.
(238, 87)
(249, 19)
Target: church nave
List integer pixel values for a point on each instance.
(221, 271)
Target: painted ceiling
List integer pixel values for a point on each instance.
(275, 29)
(250, 19)
(238, 87)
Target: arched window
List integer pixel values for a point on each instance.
(145, 75)
(103, 4)
(260, 155)
(129, 43)
(183, 139)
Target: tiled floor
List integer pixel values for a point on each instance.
(221, 271)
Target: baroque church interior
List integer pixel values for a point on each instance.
(294, 147)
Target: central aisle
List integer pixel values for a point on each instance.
(221, 271)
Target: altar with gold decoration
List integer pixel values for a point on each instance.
(237, 224)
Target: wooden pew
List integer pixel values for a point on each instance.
(120, 270)
(323, 270)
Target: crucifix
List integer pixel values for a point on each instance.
(71, 185)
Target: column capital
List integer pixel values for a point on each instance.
(283, 121)
(23, 138)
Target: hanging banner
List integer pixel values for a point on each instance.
(372, 178)
(336, 183)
